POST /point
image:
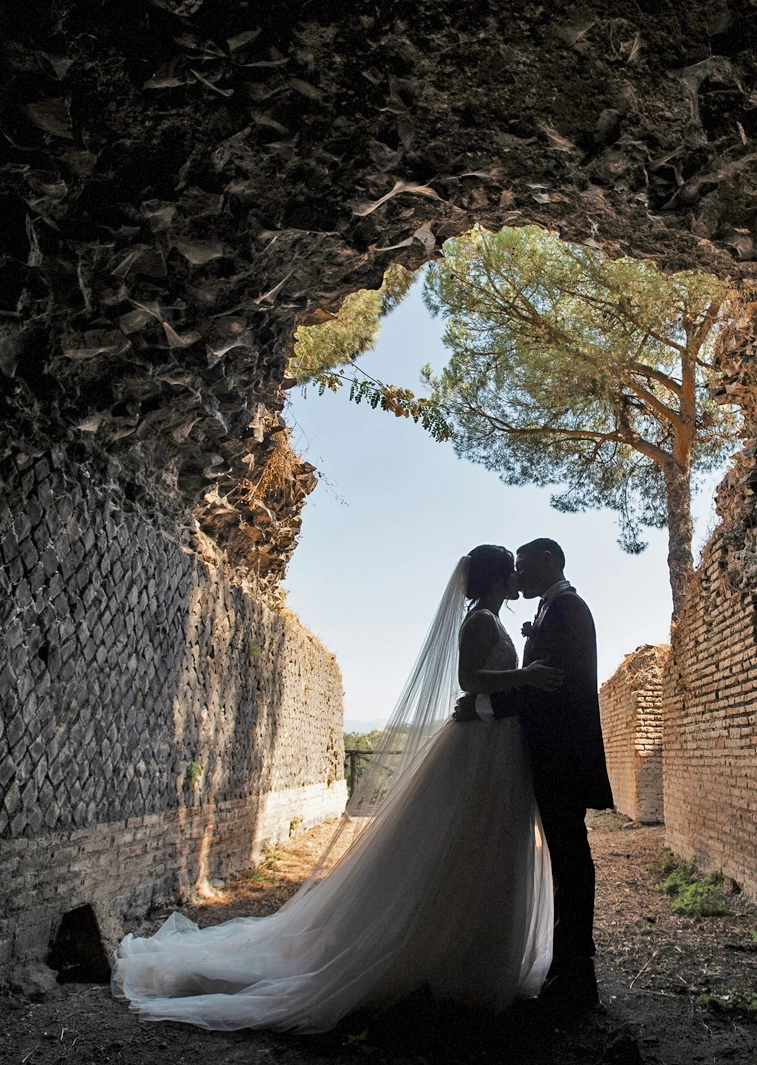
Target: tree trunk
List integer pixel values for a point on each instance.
(680, 531)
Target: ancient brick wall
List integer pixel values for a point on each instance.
(710, 691)
(710, 722)
(158, 723)
(630, 703)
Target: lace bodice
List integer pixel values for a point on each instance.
(503, 655)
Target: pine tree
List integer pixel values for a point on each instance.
(571, 368)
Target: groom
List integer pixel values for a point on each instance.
(561, 731)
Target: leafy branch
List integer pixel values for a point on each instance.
(401, 402)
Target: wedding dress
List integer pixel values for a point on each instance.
(447, 884)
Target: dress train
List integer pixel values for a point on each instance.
(449, 886)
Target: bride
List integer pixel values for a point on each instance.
(446, 884)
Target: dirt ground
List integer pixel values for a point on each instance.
(651, 965)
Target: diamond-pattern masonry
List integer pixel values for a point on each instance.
(138, 681)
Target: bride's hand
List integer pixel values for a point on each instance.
(540, 675)
(465, 708)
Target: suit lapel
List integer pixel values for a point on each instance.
(539, 625)
(546, 608)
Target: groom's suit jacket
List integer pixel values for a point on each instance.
(561, 728)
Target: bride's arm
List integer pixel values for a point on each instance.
(478, 637)
(537, 675)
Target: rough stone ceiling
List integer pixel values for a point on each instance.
(185, 180)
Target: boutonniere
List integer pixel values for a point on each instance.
(527, 629)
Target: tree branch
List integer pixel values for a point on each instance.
(625, 435)
(662, 409)
(699, 334)
(638, 443)
(612, 309)
(656, 375)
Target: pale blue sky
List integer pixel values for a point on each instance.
(395, 510)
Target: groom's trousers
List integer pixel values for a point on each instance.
(572, 876)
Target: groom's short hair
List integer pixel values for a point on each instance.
(543, 543)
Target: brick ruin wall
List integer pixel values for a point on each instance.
(158, 724)
(631, 708)
(710, 721)
(710, 686)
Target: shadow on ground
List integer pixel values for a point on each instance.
(653, 967)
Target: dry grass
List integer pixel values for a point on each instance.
(278, 477)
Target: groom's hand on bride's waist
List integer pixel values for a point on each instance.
(465, 708)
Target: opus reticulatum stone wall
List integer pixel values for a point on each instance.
(159, 724)
(630, 703)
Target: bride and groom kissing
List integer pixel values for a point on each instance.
(470, 874)
(560, 728)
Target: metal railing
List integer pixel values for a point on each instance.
(351, 755)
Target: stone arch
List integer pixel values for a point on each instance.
(185, 183)
(191, 180)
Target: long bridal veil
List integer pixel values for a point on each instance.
(425, 703)
(445, 880)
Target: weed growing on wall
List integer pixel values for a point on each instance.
(692, 895)
(194, 774)
(265, 872)
(733, 1000)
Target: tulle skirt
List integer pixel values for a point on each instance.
(449, 886)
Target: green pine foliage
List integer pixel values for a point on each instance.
(568, 368)
(321, 352)
(352, 331)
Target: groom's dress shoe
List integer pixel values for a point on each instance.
(571, 991)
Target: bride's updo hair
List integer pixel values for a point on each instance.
(488, 563)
